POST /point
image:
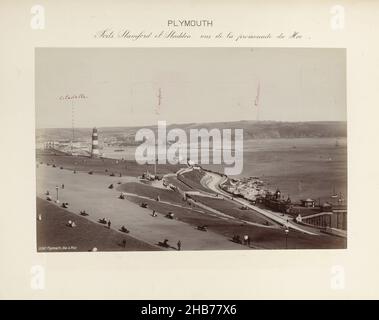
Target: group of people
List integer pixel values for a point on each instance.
(245, 241)
(170, 215)
(71, 224)
(83, 213)
(106, 221)
(124, 229)
(166, 245)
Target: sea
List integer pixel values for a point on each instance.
(300, 168)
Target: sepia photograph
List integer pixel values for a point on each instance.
(191, 158)
(177, 149)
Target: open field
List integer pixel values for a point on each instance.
(53, 234)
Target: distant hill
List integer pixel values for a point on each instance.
(252, 130)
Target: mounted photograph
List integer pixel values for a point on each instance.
(177, 149)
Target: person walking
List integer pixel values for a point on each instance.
(179, 245)
(109, 224)
(246, 239)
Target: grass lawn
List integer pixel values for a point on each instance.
(152, 192)
(177, 183)
(53, 235)
(266, 238)
(233, 210)
(192, 179)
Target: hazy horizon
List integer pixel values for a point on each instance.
(197, 85)
(189, 123)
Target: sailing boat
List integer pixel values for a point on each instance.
(300, 186)
(334, 195)
(256, 101)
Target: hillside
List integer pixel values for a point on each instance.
(252, 130)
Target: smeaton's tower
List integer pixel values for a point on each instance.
(95, 144)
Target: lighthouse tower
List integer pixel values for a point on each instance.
(95, 144)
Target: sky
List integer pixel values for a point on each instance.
(122, 85)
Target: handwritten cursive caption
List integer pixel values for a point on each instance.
(128, 34)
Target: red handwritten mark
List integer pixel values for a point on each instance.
(256, 102)
(159, 96)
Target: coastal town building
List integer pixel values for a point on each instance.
(308, 203)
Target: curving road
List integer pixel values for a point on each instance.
(213, 180)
